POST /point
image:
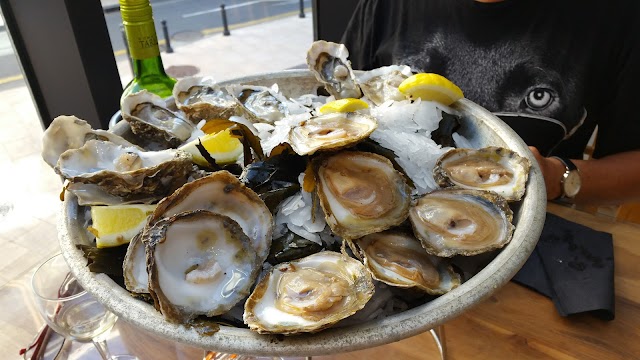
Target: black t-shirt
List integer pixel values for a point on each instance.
(574, 64)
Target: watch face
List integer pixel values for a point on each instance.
(572, 184)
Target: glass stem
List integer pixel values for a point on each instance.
(101, 346)
(438, 337)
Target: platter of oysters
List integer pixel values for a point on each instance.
(350, 213)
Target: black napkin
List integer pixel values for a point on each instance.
(573, 265)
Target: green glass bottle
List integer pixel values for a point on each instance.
(148, 70)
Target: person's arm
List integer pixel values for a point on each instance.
(611, 180)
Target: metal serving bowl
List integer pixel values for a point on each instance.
(478, 125)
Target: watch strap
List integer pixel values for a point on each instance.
(567, 163)
(569, 166)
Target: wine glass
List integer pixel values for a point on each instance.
(67, 308)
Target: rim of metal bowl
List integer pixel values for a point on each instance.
(500, 270)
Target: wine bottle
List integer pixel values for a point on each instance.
(149, 74)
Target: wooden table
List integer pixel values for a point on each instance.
(514, 323)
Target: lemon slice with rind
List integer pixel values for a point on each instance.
(343, 105)
(115, 225)
(222, 146)
(432, 87)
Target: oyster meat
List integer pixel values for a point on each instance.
(308, 295)
(200, 98)
(361, 193)
(150, 119)
(381, 84)
(328, 62)
(331, 132)
(260, 104)
(492, 168)
(461, 222)
(398, 259)
(199, 263)
(223, 193)
(125, 172)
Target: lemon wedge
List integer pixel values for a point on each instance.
(215, 125)
(117, 224)
(343, 105)
(222, 147)
(433, 87)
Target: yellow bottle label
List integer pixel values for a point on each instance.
(143, 42)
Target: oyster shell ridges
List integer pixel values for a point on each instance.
(225, 264)
(466, 222)
(361, 193)
(153, 174)
(491, 168)
(265, 313)
(398, 259)
(222, 193)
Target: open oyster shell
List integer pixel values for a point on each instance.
(260, 103)
(492, 168)
(69, 132)
(461, 222)
(199, 263)
(308, 294)
(361, 193)
(150, 119)
(328, 62)
(398, 259)
(223, 193)
(200, 98)
(125, 172)
(331, 132)
(381, 84)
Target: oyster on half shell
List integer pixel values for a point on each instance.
(381, 84)
(223, 193)
(150, 119)
(461, 222)
(259, 103)
(492, 168)
(328, 62)
(125, 172)
(398, 259)
(361, 193)
(200, 98)
(308, 294)
(331, 132)
(69, 132)
(199, 263)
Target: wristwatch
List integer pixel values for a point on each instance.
(570, 182)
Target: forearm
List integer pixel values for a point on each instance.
(614, 179)
(611, 180)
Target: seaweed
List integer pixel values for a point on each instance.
(249, 141)
(282, 168)
(106, 260)
(205, 154)
(275, 196)
(291, 247)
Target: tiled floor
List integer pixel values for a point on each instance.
(29, 188)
